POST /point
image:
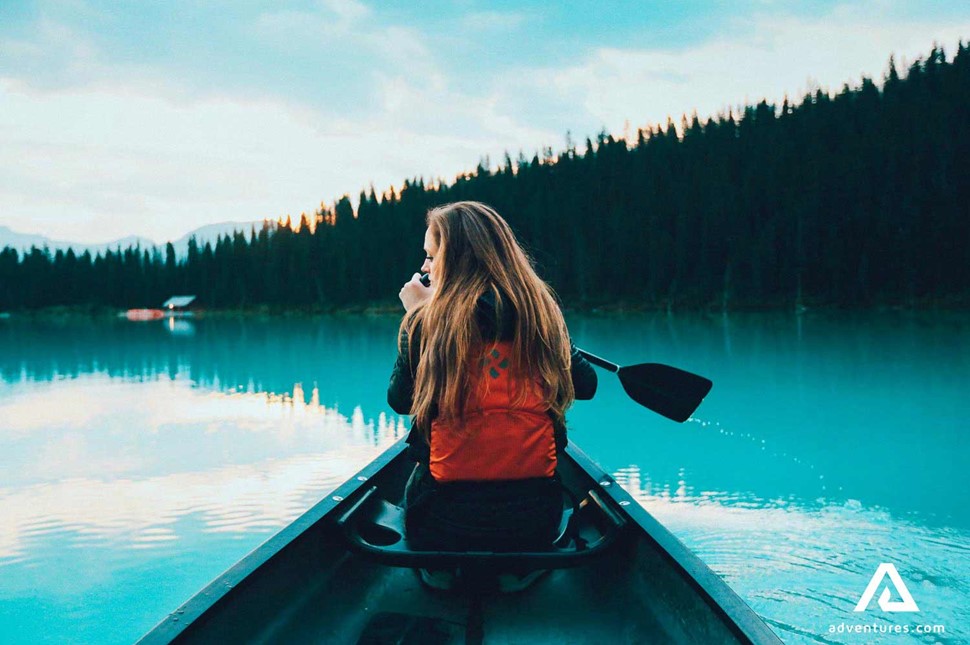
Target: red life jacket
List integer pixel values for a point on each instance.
(498, 440)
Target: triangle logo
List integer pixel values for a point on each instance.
(887, 569)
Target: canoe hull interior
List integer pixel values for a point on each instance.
(306, 585)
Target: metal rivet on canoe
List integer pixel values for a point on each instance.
(337, 498)
(361, 479)
(624, 503)
(605, 482)
(175, 619)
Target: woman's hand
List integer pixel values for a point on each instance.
(414, 294)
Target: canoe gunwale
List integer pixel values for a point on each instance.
(719, 595)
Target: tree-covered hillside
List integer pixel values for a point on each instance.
(860, 198)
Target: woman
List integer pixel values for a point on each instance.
(487, 370)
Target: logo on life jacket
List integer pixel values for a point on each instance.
(493, 370)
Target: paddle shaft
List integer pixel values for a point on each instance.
(599, 362)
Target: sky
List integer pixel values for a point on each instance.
(155, 118)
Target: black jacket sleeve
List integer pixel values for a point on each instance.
(584, 376)
(400, 391)
(584, 385)
(400, 394)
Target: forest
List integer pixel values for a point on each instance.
(854, 199)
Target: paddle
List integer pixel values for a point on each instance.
(666, 390)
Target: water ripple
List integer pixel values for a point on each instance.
(803, 568)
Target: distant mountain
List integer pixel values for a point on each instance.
(24, 241)
(209, 233)
(21, 241)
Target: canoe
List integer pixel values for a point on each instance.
(144, 314)
(341, 573)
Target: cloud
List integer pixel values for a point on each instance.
(494, 20)
(139, 156)
(349, 11)
(332, 99)
(766, 57)
(136, 151)
(54, 55)
(93, 165)
(342, 36)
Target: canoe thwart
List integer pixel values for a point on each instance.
(374, 528)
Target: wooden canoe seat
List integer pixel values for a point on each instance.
(374, 527)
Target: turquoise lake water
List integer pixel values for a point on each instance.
(140, 460)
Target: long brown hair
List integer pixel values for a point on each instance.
(478, 253)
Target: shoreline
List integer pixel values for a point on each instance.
(395, 309)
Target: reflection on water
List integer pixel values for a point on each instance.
(867, 408)
(341, 357)
(245, 470)
(139, 460)
(136, 464)
(805, 568)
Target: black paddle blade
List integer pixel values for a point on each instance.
(666, 390)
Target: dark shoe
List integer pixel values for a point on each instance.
(439, 579)
(512, 583)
